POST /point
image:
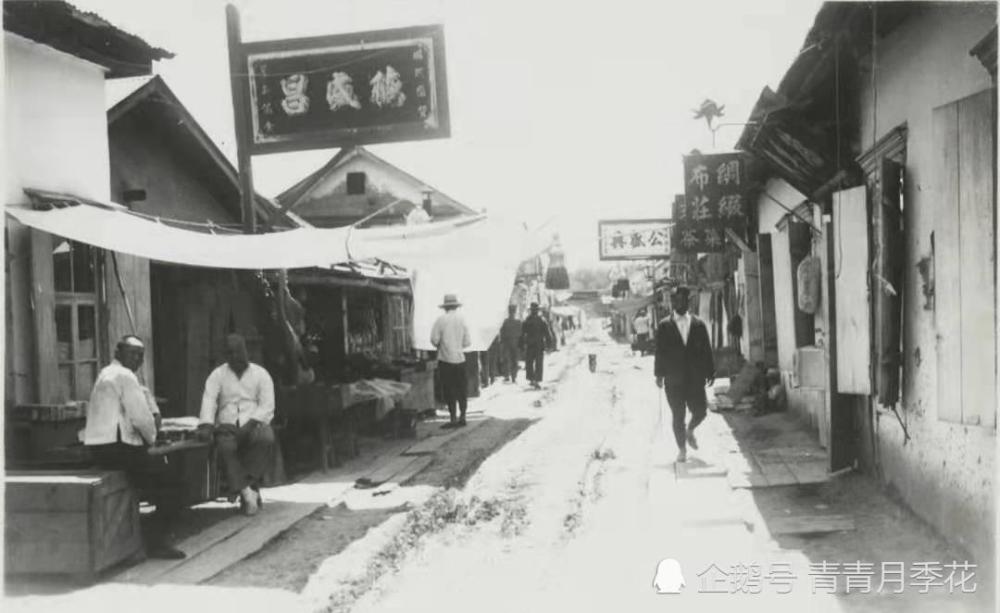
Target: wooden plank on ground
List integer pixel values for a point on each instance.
(275, 518)
(150, 571)
(809, 524)
(435, 441)
(390, 469)
(809, 472)
(412, 470)
(689, 470)
(801, 454)
(777, 474)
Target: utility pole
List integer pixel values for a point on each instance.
(241, 119)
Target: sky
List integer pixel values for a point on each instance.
(563, 112)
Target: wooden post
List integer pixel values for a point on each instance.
(343, 308)
(241, 119)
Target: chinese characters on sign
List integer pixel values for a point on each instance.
(634, 239)
(834, 577)
(357, 88)
(714, 200)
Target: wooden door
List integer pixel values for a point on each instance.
(769, 317)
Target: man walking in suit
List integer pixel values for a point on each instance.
(535, 337)
(684, 368)
(510, 338)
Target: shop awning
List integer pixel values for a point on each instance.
(109, 227)
(124, 232)
(474, 257)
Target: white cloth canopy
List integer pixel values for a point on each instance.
(475, 258)
(134, 235)
(477, 262)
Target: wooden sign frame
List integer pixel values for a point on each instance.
(315, 72)
(603, 253)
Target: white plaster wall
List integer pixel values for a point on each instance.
(55, 138)
(809, 404)
(769, 214)
(55, 127)
(946, 471)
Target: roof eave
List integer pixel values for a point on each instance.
(88, 36)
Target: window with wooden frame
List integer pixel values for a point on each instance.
(66, 284)
(964, 137)
(399, 324)
(884, 166)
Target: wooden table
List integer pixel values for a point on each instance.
(197, 467)
(326, 410)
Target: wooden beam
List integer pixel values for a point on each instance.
(241, 118)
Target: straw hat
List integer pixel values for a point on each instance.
(450, 300)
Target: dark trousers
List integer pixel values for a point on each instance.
(510, 357)
(684, 397)
(245, 453)
(534, 363)
(152, 476)
(454, 387)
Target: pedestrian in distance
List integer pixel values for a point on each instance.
(642, 325)
(535, 337)
(684, 367)
(450, 335)
(510, 339)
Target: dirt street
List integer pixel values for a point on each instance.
(583, 505)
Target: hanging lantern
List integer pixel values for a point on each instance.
(556, 277)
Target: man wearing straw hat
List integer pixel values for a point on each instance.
(450, 335)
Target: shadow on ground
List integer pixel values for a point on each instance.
(885, 531)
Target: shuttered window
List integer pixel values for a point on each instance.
(884, 166)
(965, 259)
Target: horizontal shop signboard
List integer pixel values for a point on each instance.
(349, 89)
(634, 239)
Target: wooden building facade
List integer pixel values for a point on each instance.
(880, 149)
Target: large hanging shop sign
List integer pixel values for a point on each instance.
(634, 239)
(351, 89)
(714, 201)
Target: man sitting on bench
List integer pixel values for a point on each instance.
(237, 407)
(122, 421)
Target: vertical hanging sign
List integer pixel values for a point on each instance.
(714, 201)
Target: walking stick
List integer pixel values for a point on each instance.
(659, 404)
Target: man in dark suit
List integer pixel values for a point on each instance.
(684, 367)
(535, 337)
